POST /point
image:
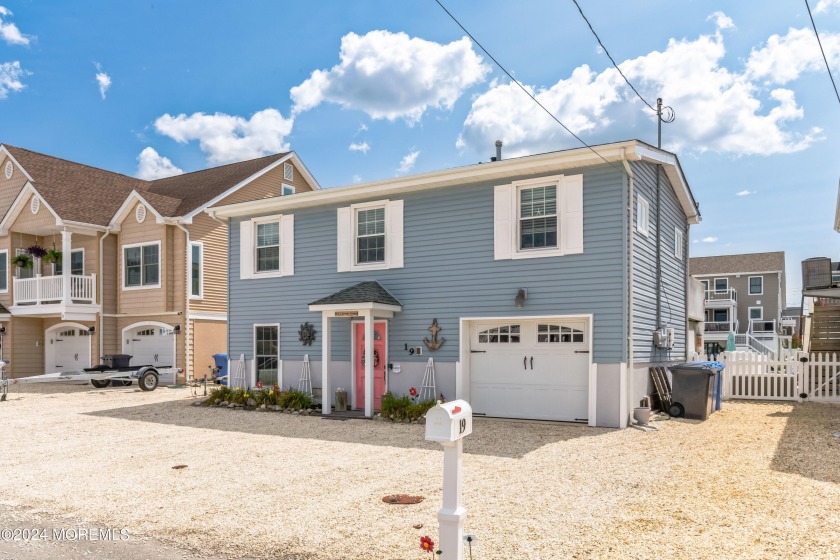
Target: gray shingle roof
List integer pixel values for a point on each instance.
(369, 291)
(734, 264)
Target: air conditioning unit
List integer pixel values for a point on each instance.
(816, 273)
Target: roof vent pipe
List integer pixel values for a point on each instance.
(498, 150)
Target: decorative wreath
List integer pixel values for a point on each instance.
(375, 358)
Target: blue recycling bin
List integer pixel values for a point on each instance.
(717, 395)
(221, 363)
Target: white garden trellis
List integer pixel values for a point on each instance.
(305, 381)
(428, 390)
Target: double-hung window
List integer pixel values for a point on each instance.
(141, 266)
(27, 272)
(77, 264)
(756, 313)
(538, 217)
(756, 285)
(266, 353)
(679, 241)
(721, 284)
(642, 215)
(370, 235)
(268, 247)
(196, 270)
(4, 271)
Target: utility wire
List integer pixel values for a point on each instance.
(639, 95)
(523, 88)
(827, 67)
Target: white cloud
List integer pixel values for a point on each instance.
(710, 239)
(359, 147)
(229, 138)
(722, 21)
(9, 32)
(392, 76)
(152, 165)
(717, 109)
(357, 178)
(744, 193)
(10, 78)
(407, 163)
(785, 58)
(103, 79)
(826, 5)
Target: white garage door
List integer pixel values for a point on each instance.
(535, 369)
(151, 345)
(68, 349)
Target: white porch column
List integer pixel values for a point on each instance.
(326, 390)
(369, 363)
(66, 260)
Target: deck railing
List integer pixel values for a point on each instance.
(50, 289)
(721, 296)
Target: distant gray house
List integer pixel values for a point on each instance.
(745, 295)
(532, 282)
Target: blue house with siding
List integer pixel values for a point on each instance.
(543, 287)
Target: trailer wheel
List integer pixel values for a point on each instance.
(100, 384)
(148, 380)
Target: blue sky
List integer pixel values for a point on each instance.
(372, 89)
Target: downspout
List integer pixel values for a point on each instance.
(186, 300)
(102, 293)
(630, 246)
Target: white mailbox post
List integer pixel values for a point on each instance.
(448, 423)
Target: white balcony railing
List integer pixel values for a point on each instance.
(721, 296)
(50, 289)
(720, 326)
(762, 326)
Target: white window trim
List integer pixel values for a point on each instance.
(749, 281)
(254, 225)
(5, 255)
(518, 187)
(285, 186)
(749, 313)
(679, 243)
(71, 261)
(200, 246)
(288, 172)
(254, 355)
(641, 202)
(354, 210)
(714, 285)
(160, 266)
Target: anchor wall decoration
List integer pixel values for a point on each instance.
(434, 344)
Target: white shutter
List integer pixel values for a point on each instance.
(287, 245)
(345, 239)
(246, 249)
(571, 216)
(504, 210)
(394, 233)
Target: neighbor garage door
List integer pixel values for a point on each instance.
(68, 349)
(151, 345)
(535, 369)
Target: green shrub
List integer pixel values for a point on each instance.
(294, 399)
(403, 407)
(220, 392)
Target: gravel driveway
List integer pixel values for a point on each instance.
(757, 480)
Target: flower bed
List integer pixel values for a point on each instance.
(291, 401)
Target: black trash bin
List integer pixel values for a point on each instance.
(692, 390)
(117, 360)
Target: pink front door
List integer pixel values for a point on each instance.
(379, 358)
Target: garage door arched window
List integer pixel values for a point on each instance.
(555, 333)
(504, 334)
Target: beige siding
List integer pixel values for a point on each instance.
(9, 188)
(6, 245)
(214, 238)
(27, 344)
(206, 338)
(110, 276)
(147, 300)
(27, 220)
(269, 185)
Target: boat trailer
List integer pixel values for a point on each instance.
(147, 377)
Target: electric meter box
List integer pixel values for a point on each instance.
(449, 421)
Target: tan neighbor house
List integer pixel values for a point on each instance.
(147, 267)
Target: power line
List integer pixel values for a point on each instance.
(827, 67)
(639, 95)
(528, 93)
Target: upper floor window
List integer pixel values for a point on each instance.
(196, 269)
(4, 271)
(756, 313)
(267, 247)
(287, 189)
(679, 242)
(27, 271)
(370, 236)
(77, 264)
(642, 215)
(540, 217)
(721, 284)
(141, 265)
(756, 285)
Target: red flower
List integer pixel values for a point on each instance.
(427, 544)
(412, 392)
(259, 384)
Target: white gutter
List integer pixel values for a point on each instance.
(186, 300)
(630, 246)
(102, 292)
(130, 315)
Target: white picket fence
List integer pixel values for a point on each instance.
(790, 377)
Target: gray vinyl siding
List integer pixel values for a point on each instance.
(449, 273)
(673, 306)
(768, 300)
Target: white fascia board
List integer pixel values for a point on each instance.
(123, 210)
(4, 150)
(356, 307)
(550, 162)
(675, 174)
(82, 227)
(290, 157)
(17, 207)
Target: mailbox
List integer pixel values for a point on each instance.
(449, 421)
